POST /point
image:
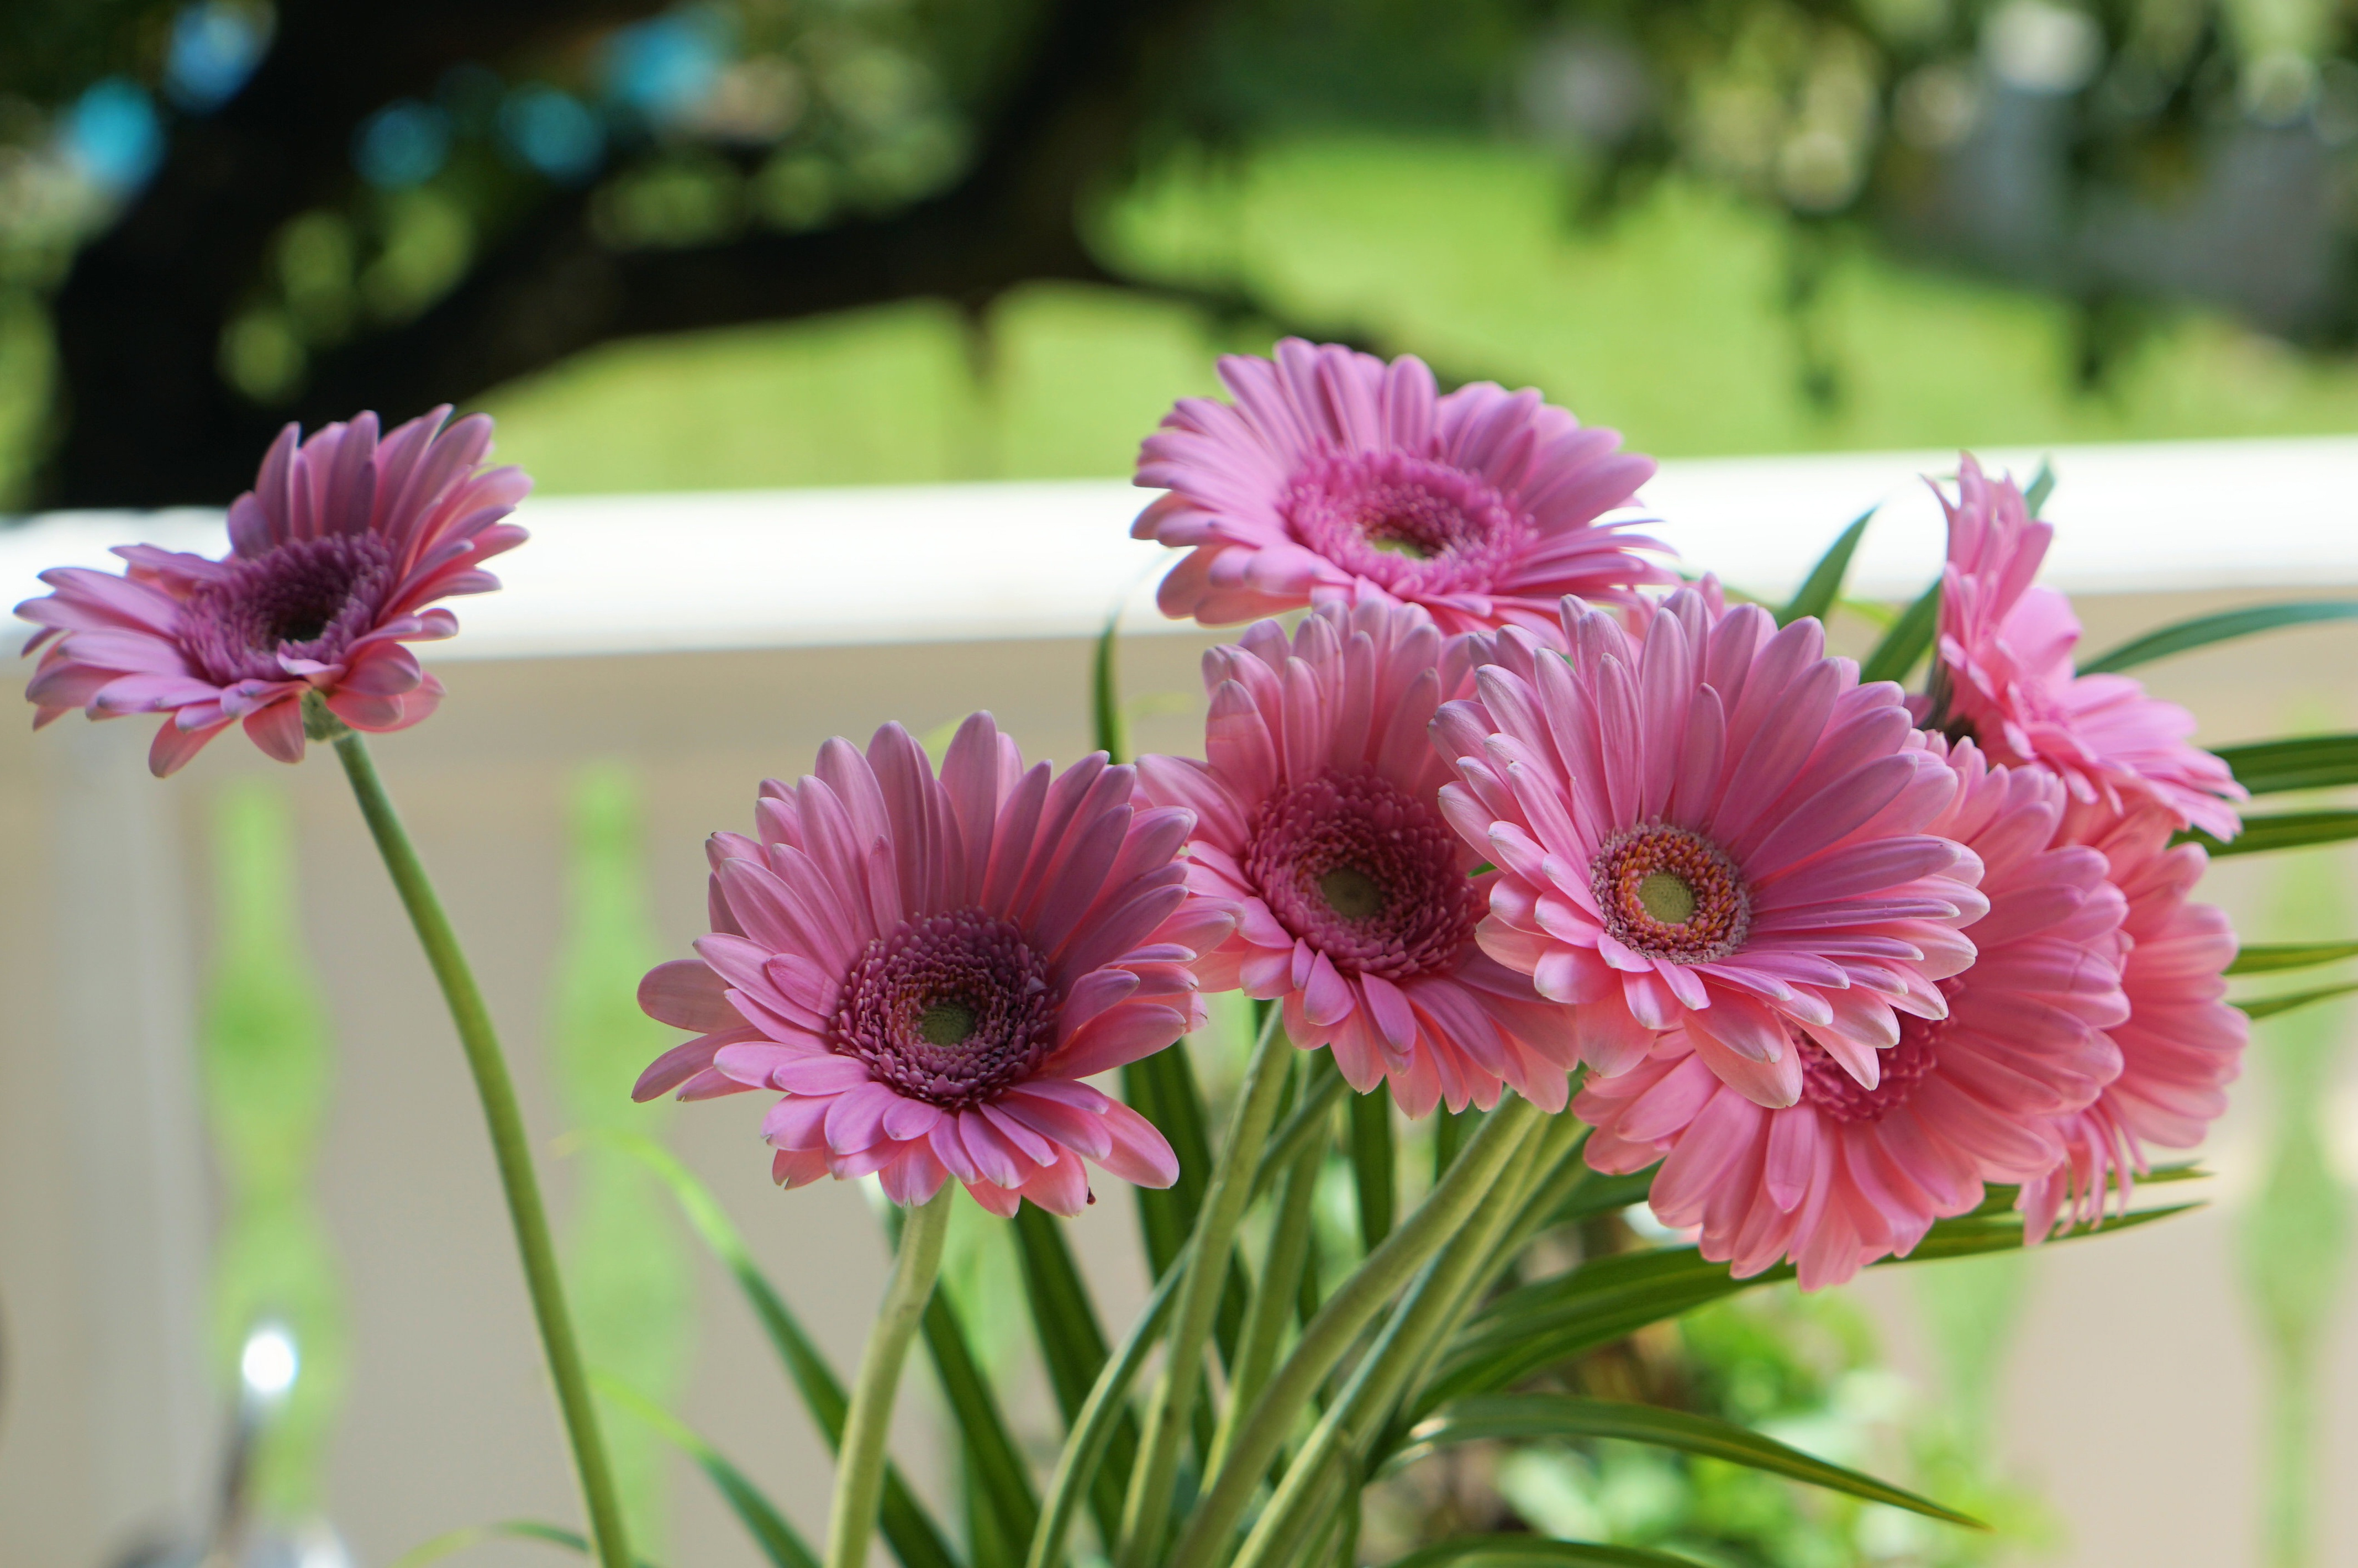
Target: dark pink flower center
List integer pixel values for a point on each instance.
(307, 599)
(949, 1008)
(1828, 1085)
(1411, 525)
(1665, 892)
(1365, 873)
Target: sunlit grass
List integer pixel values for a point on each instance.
(1667, 324)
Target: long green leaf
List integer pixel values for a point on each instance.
(2280, 830)
(2269, 1007)
(1550, 1321)
(1161, 1089)
(442, 1546)
(907, 1528)
(1605, 1195)
(2303, 761)
(1527, 1416)
(1073, 1346)
(1105, 694)
(1538, 1549)
(1907, 640)
(2042, 485)
(778, 1539)
(1823, 585)
(1101, 1414)
(2274, 959)
(2204, 630)
(1373, 1166)
(995, 1470)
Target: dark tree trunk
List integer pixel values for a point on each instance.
(149, 419)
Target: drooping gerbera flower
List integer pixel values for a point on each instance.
(1317, 815)
(928, 967)
(334, 555)
(1849, 1174)
(1333, 473)
(2181, 1043)
(1711, 825)
(2006, 676)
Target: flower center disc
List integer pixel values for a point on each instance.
(1406, 522)
(949, 1008)
(1668, 893)
(307, 599)
(1365, 873)
(1827, 1085)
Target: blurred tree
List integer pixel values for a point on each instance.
(231, 213)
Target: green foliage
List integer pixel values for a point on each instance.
(2307, 761)
(2296, 1236)
(626, 1273)
(2204, 631)
(1824, 584)
(268, 1061)
(2281, 830)
(1527, 1416)
(1907, 642)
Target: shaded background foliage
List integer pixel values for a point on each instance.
(221, 214)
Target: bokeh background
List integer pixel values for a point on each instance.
(779, 243)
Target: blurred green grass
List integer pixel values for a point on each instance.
(1667, 322)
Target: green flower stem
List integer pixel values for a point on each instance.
(1273, 1305)
(1336, 1327)
(1146, 1511)
(860, 1462)
(1423, 1317)
(509, 1145)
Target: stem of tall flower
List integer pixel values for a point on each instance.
(860, 1462)
(1332, 1333)
(1146, 1511)
(509, 1146)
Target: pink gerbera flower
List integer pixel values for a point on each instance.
(334, 555)
(1318, 816)
(2181, 1044)
(928, 967)
(2005, 674)
(1850, 1174)
(1333, 473)
(1711, 825)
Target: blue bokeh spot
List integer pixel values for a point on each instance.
(112, 134)
(404, 143)
(553, 132)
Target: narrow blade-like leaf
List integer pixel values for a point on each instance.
(2042, 485)
(2274, 959)
(778, 1539)
(1100, 1415)
(1105, 694)
(2269, 1007)
(2303, 761)
(2280, 830)
(442, 1546)
(1527, 1416)
(1823, 585)
(907, 1528)
(994, 1470)
(1372, 1166)
(2204, 630)
(1540, 1325)
(1907, 640)
(1537, 1549)
(1073, 1346)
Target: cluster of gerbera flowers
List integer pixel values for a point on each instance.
(1497, 810)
